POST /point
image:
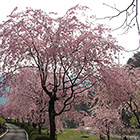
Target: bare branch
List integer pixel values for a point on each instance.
(131, 17)
(123, 11)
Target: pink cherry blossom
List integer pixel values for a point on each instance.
(68, 54)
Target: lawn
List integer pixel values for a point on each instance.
(68, 134)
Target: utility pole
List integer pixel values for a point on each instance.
(118, 58)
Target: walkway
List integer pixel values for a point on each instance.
(14, 133)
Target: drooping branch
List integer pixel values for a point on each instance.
(134, 112)
(130, 18)
(131, 14)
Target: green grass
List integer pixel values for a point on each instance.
(68, 134)
(73, 135)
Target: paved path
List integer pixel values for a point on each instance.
(14, 133)
(128, 137)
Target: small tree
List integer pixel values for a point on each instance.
(120, 89)
(104, 117)
(107, 121)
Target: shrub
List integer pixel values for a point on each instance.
(23, 125)
(2, 125)
(35, 132)
(30, 129)
(2, 122)
(34, 135)
(40, 137)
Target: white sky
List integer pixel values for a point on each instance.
(129, 41)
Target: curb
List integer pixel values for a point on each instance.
(4, 133)
(26, 134)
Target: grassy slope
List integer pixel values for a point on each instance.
(68, 134)
(72, 135)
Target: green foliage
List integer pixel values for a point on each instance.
(133, 122)
(2, 125)
(35, 132)
(2, 122)
(69, 124)
(10, 120)
(135, 60)
(40, 137)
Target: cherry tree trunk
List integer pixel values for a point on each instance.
(134, 112)
(108, 137)
(108, 133)
(39, 129)
(52, 119)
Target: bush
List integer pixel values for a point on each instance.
(40, 137)
(2, 122)
(30, 129)
(10, 120)
(35, 132)
(2, 125)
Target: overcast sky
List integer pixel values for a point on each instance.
(128, 41)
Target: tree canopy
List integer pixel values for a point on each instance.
(68, 54)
